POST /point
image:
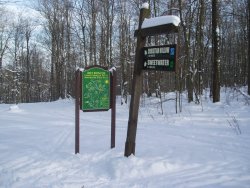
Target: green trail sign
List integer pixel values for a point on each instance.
(95, 89)
(160, 58)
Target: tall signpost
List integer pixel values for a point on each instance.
(248, 47)
(77, 111)
(136, 88)
(95, 91)
(148, 58)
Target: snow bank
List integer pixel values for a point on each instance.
(14, 109)
(199, 147)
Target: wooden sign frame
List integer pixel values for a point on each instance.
(78, 102)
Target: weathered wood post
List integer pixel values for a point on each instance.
(136, 87)
(113, 107)
(77, 111)
(248, 47)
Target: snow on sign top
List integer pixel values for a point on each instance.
(145, 5)
(161, 20)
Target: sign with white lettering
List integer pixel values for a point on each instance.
(95, 89)
(160, 58)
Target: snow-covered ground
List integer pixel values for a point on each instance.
(203, 146)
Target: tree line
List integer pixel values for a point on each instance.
(38, 57)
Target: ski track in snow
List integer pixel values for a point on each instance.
(191, 149)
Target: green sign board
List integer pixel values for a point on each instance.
(95, 89)
(160, 58)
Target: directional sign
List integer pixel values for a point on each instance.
(95, 89)
(160, 58)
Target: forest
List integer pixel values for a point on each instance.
(39, 55)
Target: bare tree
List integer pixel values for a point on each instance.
(122, 50)
(186, 30)
(248, 47)
(200, 50)
(5, 35)
(92, 12)
(80, 29)
(28, 31)
(58, 16)
(90, 32)
(105, 20)
(216, 51)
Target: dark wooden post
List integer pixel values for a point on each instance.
(248, 47)
(136, 88)
(216, 49)
(113, 107)
(77, 111)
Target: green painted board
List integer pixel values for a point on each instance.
(95, 89)
(160, 58)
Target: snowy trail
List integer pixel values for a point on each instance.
(189, 149)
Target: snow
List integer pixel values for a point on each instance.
(218, 31)
(145, 5)
(14, 109)
(199, 147)
(112, 69)
(161, 20)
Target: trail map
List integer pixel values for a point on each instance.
(95, 89)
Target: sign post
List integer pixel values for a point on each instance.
(148, 58)
(136, 89)
(95, 91)
(113, 107)
(77, 112)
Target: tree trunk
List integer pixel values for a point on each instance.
(28, 80)
(216, 53)
(248, 47)
(187, 63)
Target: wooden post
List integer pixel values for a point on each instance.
(216, 49)
(248, 47)
(113, 107)
(77, 111)
(136, 88)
